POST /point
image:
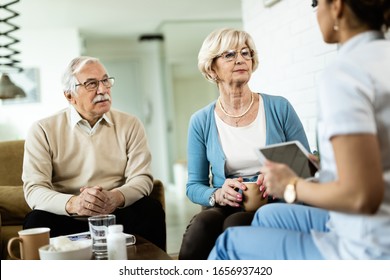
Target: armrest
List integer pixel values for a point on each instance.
(158, 192)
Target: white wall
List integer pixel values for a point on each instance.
(191, 93)
(291, 53)
(50, 51)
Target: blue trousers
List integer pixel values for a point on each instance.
(279, 231)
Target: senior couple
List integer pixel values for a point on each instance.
(90, 159)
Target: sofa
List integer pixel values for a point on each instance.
(13, 207)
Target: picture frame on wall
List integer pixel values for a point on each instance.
(269, 3)
(28, 80)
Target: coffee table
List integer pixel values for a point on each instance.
(145, 250)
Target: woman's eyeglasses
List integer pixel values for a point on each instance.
(94, 84)
(230, 55)
(314, 3)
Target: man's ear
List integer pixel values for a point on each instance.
(68, 95)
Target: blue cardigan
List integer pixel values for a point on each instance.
(205, 152)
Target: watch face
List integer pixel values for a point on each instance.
(289, 194)
(212, 200)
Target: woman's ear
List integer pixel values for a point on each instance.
(213, 75)
(337, 8)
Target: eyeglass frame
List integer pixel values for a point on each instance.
(85, 84)
(251, 52)
(314, 3)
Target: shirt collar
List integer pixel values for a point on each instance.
(75, 117)
(359, 39)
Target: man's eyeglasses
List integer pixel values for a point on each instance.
(94, 84)
(230, 55)
(314, 3)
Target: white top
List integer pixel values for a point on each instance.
(354, 97)
(239, 145)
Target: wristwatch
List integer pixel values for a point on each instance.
(290, 194)
(212, 199)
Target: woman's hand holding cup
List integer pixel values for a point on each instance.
(229, 194)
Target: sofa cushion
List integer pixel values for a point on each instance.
(13, 206)
(11, 158)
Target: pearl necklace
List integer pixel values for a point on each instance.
(237, 116)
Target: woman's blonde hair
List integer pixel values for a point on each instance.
(220, 41)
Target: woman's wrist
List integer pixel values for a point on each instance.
(218, 196)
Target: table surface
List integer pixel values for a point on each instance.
(145, 250)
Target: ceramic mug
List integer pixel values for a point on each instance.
(30, 240)
(252, 197)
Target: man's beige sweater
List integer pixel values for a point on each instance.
(60, 159)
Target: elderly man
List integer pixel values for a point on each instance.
(88, 160)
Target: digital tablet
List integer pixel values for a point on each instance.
(291, 153)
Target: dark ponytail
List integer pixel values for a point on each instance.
(386, 14)
(374, 13)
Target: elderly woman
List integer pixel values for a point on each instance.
(224, 135)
